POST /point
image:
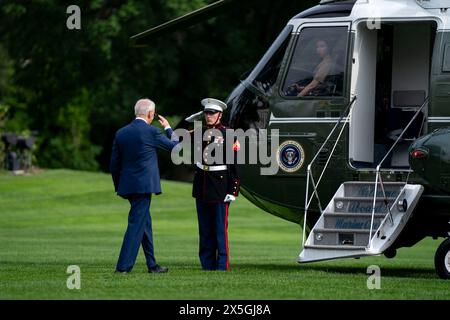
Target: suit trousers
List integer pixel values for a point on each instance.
(139, 231)
(213, 234)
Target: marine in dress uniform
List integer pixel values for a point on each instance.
(215, 186)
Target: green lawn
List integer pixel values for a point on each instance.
(58, 218)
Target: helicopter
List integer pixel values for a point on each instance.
(363, 124)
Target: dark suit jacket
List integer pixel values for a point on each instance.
(134, 162)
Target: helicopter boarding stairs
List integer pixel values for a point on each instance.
(362, 218)
(349, 228)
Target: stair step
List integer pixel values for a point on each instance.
(367, 189)
(353, 214)
(360, 205)
(361, 221)
(325, 247)
(365, 198)
(371, 183)
(338, 237)
(331, 230)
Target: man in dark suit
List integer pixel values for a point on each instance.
(135, 173)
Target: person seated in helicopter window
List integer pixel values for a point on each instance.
(314, 86)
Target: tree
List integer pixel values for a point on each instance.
(77, 87)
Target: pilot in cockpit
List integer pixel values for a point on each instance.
(322, 70)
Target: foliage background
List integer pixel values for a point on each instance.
(75, 88)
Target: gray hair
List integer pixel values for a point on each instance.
(143, 107)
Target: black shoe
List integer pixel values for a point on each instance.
(158, 269)
(121, 272)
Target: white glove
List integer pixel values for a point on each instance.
(229, 198)
(194, 117)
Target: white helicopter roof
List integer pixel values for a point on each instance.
(391, 10)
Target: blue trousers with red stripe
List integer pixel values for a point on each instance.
(213, 231)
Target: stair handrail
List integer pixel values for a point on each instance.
(383, 222)
(378, 173)
(309, 174)
(404, 130)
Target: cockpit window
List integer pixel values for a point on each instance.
(266, 71)
(446, 64)
(318, 63)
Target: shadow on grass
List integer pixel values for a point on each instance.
(398, 272)
(236, 268)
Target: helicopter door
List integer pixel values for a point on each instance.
(390, 77)
(440, 87)
(361, 140)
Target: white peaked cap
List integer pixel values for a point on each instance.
(214, 104)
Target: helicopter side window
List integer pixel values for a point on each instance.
(266, 72)
(318, 63)
(446, 64)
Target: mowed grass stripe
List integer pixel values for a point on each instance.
(58, 218)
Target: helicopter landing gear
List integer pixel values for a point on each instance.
(442, 260)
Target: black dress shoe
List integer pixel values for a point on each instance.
(121, 272)
(158, 269)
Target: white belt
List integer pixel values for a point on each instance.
(211, 168)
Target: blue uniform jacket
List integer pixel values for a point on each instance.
(213, 186)
(134, 162)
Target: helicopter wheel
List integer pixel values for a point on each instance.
(390, 253)
(442, 260)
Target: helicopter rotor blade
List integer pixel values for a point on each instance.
(194, 17)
